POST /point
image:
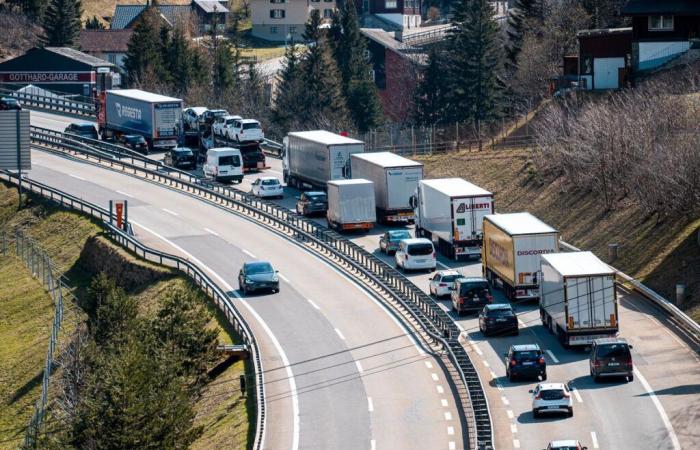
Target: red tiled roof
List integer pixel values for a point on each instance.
(105, 41)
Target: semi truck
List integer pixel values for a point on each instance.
(578, 301)
(511, 253)
(351, 205)
(450, 212)
(312, 158)
(394, 178)
(135, 112)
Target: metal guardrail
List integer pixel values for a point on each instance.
(57, 103)
(435, 323)
(198, 276)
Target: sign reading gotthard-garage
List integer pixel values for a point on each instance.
(47, 77)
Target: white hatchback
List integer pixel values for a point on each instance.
(552, 398)
(415, 254)
(267, 187)
(443, 283)
(222, 125)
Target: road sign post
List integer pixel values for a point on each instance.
(14, 144)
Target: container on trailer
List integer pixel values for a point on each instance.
(351, 205)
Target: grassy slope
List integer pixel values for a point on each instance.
(223, 411)
(650, 251)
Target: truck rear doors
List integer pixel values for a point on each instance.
(591, 302)
(468, 217)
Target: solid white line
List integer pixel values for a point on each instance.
(359, 366)
(516, 443)
(249, 253)
(170, 212)
(312, 303)
(476, 348)
(451, 431)
(288, 369)
(428, 364)
(286, 280)
(125, 194)
(577, 395)
(510, 413)
(76, 177)
(594, 439)
(551, 355)
(443, 307)
(373, 444)
(339, 333)
(659, 408)
(440, 389)
(513, 428)
(451, 445)
(434, 376)
(448, 415)
(211, 232)
(370, 405)
(443, 402)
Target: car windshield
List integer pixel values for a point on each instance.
(316, 197)
(499, 312)
(85, 128)
(183, 152)
(529, 354)
(613, 351)
(420, 249)
(552, 394)
(251, 126)
(258, 268)
(269, 182)
(231, 160)
(219, 113)
(449, 278)
(230, 121)
(473, 290)
(400, 235)
(135, 139)
(568, 447)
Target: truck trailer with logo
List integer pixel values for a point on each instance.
(450, 212)
(578, 300)
(135, 112)
(510, 256)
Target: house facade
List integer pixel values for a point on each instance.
(110, 45)
(604, 58)
(282, 20)
(201, 14)
(403, 13)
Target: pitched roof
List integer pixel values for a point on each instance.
(211, 6)
(126, 15)
(105, 41)
(79, 56)
(644, 7)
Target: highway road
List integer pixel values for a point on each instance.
(659, 409)
(340, 370)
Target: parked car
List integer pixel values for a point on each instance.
(180, 158)
(415, 254)
(267, 187)
(135, 142)
(611, 357)
(192, 116)
(222, 124)
(312, 202)
(470, 294)
(210, 115)
(443, 282)
(245, 130)
(9, 104)
(569, 444)
(499, 319)
(258, 276)
(552, 398)
(526, 360)
(82, 129)
(389, 242)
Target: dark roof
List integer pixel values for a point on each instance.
(678, 7)
(604, 32)
(126, 15)
(105, 41)
(211, 6)
(79, 56)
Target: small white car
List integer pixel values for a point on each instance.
(552, 398)
(568, 444)
(443, 283)
(222, 124)
(415, 254)
(245, 130)
(267, 187)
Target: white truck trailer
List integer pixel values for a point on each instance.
(395, 179)
(579, 298)
(351, 205)
(312, 158)
(510, 258)
(450, 212)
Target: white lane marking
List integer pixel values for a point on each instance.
(577, 395)
(286, 280)
(513, 428)
(370, 404)
(170, 212)
(76, 177)
(510, 413)
(313, 304)
(337, 331)
(440, 389)
(448, 415)
(516, 443)
(659, 408)
(451, 431)
(486, 363)
(428, 364)
(249, 253)
(125, 194)
(505, 400)
(359, 366)
(444, 266)
(434, 376)
(594, 439)
(443, 307)
(373, 444)
(476, 348)
(451, 445)
(288, 368)
(443, 402)
(211, 231)
(493, 374)
(522, 324)
(551, 355)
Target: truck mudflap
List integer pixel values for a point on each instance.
(587, 339)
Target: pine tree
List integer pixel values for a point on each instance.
(94, 24)
(288, 88)
(144, 50)
(62, 23)
(518, 15)
(178, 57)
(430, 95)
(223, 78)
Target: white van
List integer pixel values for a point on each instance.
(416, 254)
(224, 164)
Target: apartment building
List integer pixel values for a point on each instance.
(281, 20)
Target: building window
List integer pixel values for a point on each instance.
(273, 30)
(292, 30)
(277, 14)
(389, 4)
(367, 54)
(372, 75)
(661, 23)
(328, 1)
(277, 1)
(327, 13)
(315, 1)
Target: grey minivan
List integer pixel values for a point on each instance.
(611, 357)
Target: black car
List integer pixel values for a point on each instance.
(611, 357)
(84, 129)
(470, 294)
(525, 360)
(258, 276)
(135, 142)
(312, 202)
(499, 319)
(9, 104)
(180, 158)
(253, 158)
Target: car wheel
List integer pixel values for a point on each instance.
(571, 412)
(454, 309)
(630, 378)
(544, 376)
(510, 376)
(245, 290)
(596, 378)
(535, 414)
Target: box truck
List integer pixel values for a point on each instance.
(312, 158)
(450, 212)
(511, 253)
(395, 178)
(351, 205)
(578, 301)
(134, 112)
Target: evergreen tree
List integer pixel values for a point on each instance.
(62, 23)
(223, 67)
(144, 50)
(288, 89)
(94, 24)
(179, 58)
(430, 95)
(518, 16)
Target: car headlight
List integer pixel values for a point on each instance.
(248, 280)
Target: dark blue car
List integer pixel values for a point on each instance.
(525, 361)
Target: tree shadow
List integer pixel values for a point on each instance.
(27, 387)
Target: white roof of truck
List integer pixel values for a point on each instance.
(387, 159)
(138, 94)
(519, 223)
(455, 187)
(350, 182)
(577, 264)
(324, 137)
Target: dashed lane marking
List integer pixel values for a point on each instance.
(125, 194)
(505, 400)
(428, 364)
(249, 253)
(448, 415)
(577, 395)
(286, 280)
(551, 355)
(451, 431)
(513, 428)
(311, 302)
(76, 177)
(452, 445)
(172, 213)
(211, 232)
(510, 413)
(370, 404)
(440, 389)
(660, 409)
(594, 439)
(516, 443)
(434, 376)
(486, 363)
(443, 402)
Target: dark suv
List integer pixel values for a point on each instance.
(135, 142)
(611, 357)
(525, 361)
(180, 158)
(313, 202)
(498, 319)
(470, 294)
(86, 130)
(9, 104)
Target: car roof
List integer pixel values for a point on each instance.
(198, 109)
(497, 306)
(417, 241)
(131, 136)
(315, 193)
(250, 121)
(230, 116)
(217, 110)
(398, 231)
(525, 347)
(269, 178)
(83, 124)
(547, 386)
(256, 263)
(448, 272)
(564, 443)
(9, 99)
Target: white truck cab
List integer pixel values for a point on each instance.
(224, 164)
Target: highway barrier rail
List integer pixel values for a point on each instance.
(197, 275)
(433, 324)
(55, 103)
